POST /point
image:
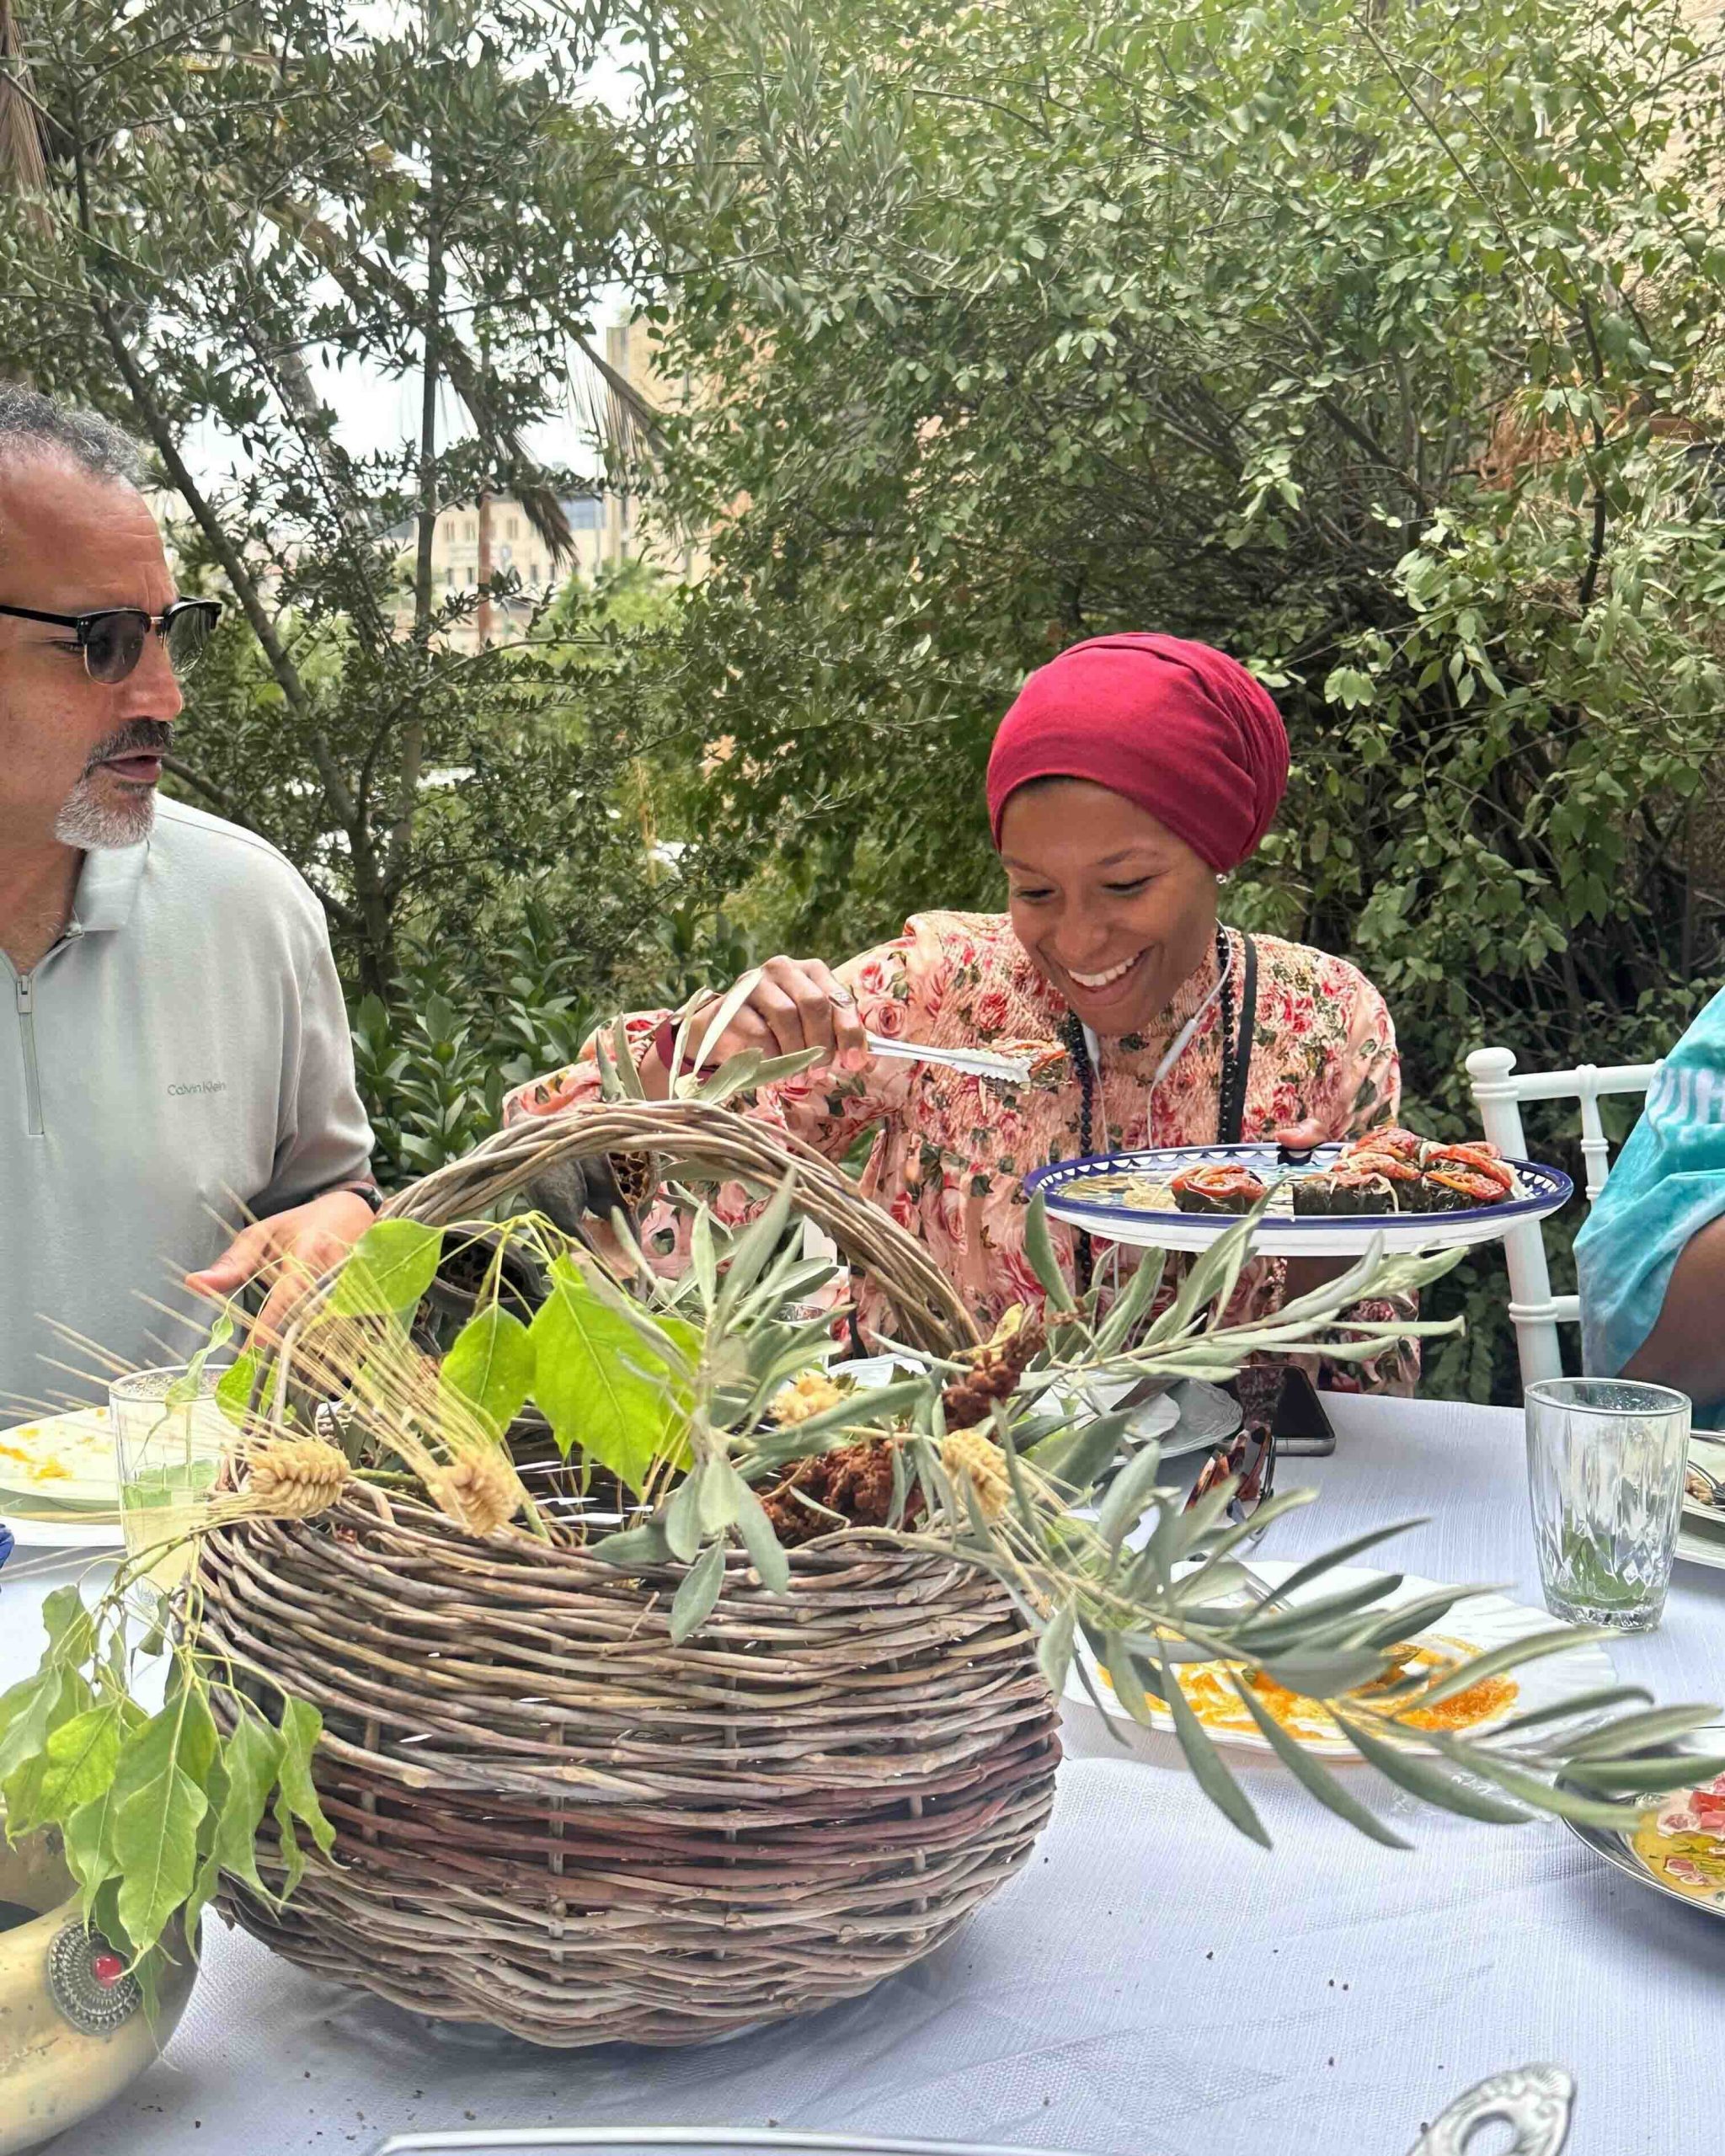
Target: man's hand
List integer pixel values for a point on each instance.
(290, 1251)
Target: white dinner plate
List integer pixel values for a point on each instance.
(61, 1531)
(60, 1482)
(1062, 1186)
(1478, 1624)
(60, 1462)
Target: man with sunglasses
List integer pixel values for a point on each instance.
(174, 1056)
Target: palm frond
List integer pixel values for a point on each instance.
(23, 123)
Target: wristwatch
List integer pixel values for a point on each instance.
(367, 1189)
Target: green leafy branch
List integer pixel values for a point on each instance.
(152, 1808)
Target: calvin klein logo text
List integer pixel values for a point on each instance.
(198, 1086)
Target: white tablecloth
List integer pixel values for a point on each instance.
(1151, 1984)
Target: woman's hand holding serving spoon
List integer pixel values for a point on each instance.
(794, 1004)
(801, 1003)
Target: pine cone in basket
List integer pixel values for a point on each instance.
(996, 1369)
(572, 1192)
(636, 1176)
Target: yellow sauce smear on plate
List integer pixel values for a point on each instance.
(39, 1470)
(1209, 1689)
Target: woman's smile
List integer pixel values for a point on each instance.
(1099, 990)
(1102, 980)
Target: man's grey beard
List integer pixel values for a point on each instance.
(92, 824)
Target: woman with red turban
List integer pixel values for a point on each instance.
(1133, 774)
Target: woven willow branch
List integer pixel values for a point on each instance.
(716, 1144)
(551, 1820)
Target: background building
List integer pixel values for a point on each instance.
(476, 540)
(493, 537)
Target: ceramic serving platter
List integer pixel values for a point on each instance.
(1685, 1832)
(1476, 1626)
(1085, 1193)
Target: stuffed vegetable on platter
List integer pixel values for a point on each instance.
(1415, 1192)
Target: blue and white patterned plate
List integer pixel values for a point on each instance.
(1086, 1194)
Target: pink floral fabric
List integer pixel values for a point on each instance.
(950, 1152)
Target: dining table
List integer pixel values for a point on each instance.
(1151, 1983)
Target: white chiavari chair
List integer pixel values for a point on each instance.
(1499, 1089)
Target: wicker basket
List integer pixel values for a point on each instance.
(551, 1820)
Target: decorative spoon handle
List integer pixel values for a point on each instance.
(1533, 2101)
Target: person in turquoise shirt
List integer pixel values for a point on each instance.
(1651, 1257)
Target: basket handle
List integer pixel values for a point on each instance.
(716, 1144)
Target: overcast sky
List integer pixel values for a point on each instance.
(374, 413)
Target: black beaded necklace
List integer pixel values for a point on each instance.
(1077, 1048)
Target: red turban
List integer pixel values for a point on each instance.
(1180, 728)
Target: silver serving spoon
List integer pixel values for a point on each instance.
(976, 1062)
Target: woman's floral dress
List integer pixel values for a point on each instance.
(950, 1152)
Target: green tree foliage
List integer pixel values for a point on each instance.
(203, 208)
(1379, 345)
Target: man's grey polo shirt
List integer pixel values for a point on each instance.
(180, 1059)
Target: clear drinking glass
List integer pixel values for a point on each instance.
(169, 1434)
(1605, 1459)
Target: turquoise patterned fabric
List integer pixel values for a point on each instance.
(1667, 1183)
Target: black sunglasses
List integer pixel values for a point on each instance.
(112, 638)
